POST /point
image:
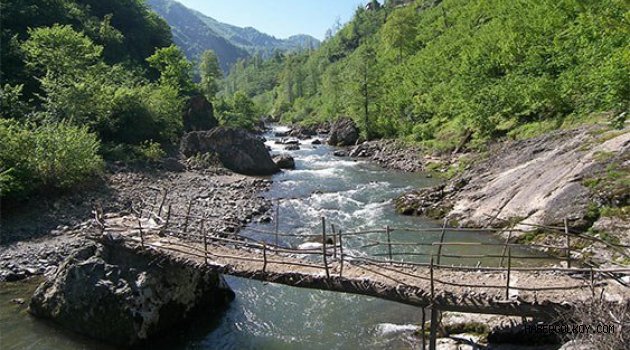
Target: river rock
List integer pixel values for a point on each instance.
(292, 147)
(199, 114)
(316, 142)
(122, 298)
(344, 132)
(302, 132)
(362, 151)
(173, 164)
(284, 161)
(237, 149)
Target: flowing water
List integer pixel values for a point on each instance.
(352, 195)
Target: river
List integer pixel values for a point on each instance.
(353, 195)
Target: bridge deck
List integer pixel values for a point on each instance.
(531, 293)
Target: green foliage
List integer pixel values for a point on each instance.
(210, 73)
(239, 112)
(59, 50)
(74, 72)
(51, 156)
(152, 151)
(175, 70)
(127, 31)
(110, 100)
(441, 69)
(11, 104)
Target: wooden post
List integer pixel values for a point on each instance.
(434, 326)
(334, 234)
(505, 247)
(277, 222)
(592, 282)
(324, 246)
(507, 287)
(205, 241)
(422, 328)
(162, 203)
(389, 244)
(187, 216)
(439, 253)
(264, 257)
(168, 216)
(432, 286)
(568, 249)
(141, 235)
(433, 330)
(340, 253)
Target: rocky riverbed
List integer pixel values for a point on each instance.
(36, 239)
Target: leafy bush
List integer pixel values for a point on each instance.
(152, 151)
(40, 158)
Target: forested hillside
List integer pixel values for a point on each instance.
(195, 33)
(440, 72)
(83, 80)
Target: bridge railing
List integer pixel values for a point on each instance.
(553, 251)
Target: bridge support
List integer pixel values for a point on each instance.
(433, 331)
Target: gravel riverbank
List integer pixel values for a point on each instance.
(40, 235)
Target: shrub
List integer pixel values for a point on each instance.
(151, 151)
(53, 156)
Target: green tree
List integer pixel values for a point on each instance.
(399, 32)
(239, 112)
(60, 51)
(364, 87)
(175, 70)
(210, 73)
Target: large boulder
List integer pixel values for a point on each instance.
(237, 150)
(124, 298)
(199, 114)
(344, 132)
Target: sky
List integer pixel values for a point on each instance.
(280, 18)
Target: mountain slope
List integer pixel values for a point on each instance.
(193, 35)
(195, 32)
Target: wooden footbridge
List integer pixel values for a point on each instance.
(507, 289)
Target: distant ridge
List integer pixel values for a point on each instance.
(195, 32)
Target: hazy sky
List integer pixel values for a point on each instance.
(280, 18)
